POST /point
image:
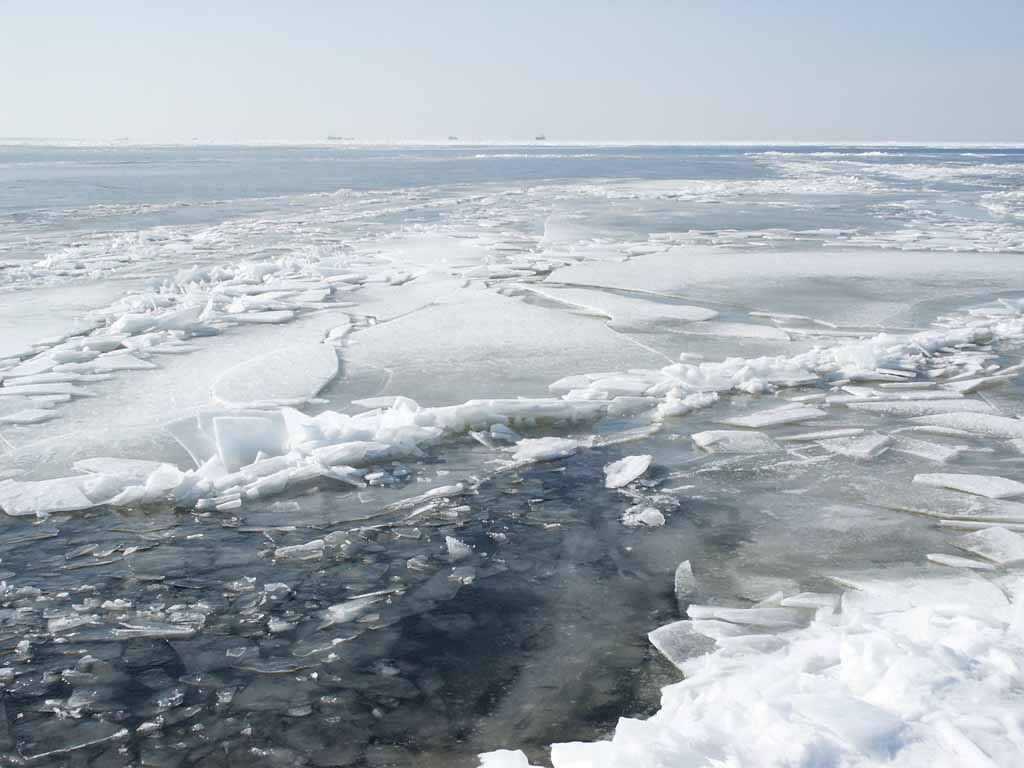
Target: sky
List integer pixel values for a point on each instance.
(645, 70)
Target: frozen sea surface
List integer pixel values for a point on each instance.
(366, 456)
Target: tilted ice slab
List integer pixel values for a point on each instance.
(907, 409)
(915, 671)
(868, 446)
(997, 544)
(621, 473)
(983, 424)
(990, 486)
(544, 449)
(627, 313)
(289, 376)
(787, 414)
(735, 441)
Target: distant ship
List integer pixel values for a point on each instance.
(341, 138)
(540, 137)
(453, 138)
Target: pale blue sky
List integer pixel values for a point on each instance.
(731, 71)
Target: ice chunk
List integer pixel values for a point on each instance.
(906, 409)
(812, 600)
(443, 491)
(457, 550)
(28, 416)
(544, 449)
(990, 486)
(779, 618)
(641, 516)
(271, 316)
(977, 423)
(679, 641)
(311, 550)
(867, 446)
(926, 450)
(735, 441)
(966, 386)
(787, 414)
(343, 613)
(680, 406)
(288, 376)
(43, 497)
(684, 583)
(996, 544)
(240, 439)
(954, 561)
(624, 471)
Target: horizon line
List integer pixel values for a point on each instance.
(130, 142)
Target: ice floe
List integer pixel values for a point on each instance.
(990, 486)
(624, 471)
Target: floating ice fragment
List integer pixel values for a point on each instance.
(444, 491)
(908, 408)
(735, 441)
(544, 449)
(787, 414)
(343, 613)
(865, 447)
(311, 550)
(990, 486)
(641, 516)
(684, 584)
(977, 423)
(926, 450)
(624, 471)
(457, 550)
